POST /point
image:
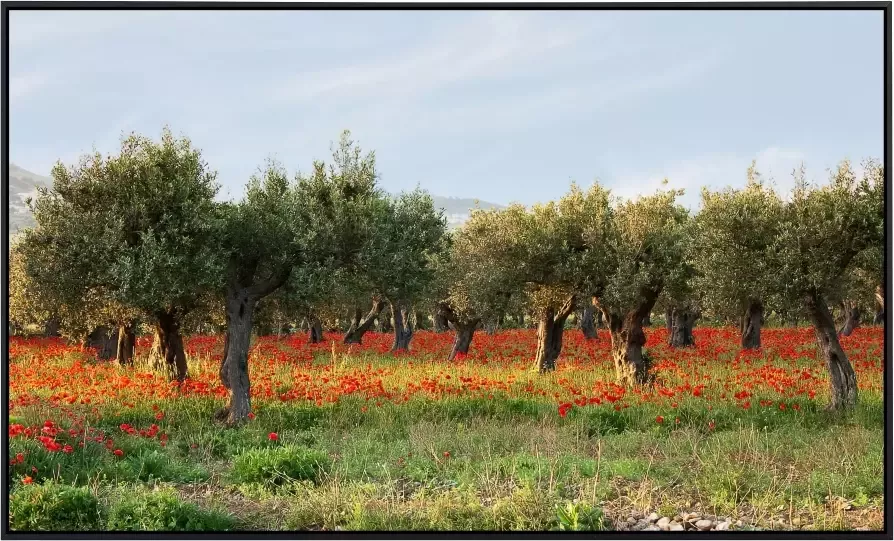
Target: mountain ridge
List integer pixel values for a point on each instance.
(23, 184)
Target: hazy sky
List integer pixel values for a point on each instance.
(503, 106)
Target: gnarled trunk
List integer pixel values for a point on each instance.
(440, 321)
(751, 324)
(550, 328)
(167, 351)
(879, 318)
(683, 319)
(403, 327)
(851, 313)
(359, 327)
(632, 366)
(599, 321)
(127, 341)
(842, 378)
(314, 330)
(669, 321)
(463, 339)
(647, 320)
(234, 365)
(588, 322)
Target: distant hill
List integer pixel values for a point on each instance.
(22, 185)
(457, 209)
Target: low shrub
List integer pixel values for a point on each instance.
(280, 465)
(163, 510)
(53, 507)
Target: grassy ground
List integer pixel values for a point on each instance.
(360, 439)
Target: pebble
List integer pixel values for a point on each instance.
(663, 523)
(653, 517)
(723, 525)
(704, 524)
(674, 527)
(652, 528)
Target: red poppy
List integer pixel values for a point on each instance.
(273, 436)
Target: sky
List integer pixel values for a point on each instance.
(503, 106)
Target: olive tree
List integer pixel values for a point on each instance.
(824, 229)
(396, 261)
(135, 228)
(278, 226)
(644, 247)
(735, 233)
(474, 282)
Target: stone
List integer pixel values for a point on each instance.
(653, 517)
(722, 525)
(631, 520)
(676, 527)
(704, 524)
(639, 526)
(652, 528)
(663, 523)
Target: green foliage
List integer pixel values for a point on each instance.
(408, 233)
(53, 507)
(279, 465)
(162, 510)
(132, 228)
(825, 228)
(645, 246)
(734, 246)
(577, 517)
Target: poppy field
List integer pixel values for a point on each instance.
(353, 437)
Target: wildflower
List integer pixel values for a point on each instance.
(446, 454)
(564, 408)
(273, 436)
(27, 480)
(251, 415)
(659, 419)
(118, 452)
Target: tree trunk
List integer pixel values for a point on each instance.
(669, 322)
(51, 327)
(751, 325)
(462, 341)
(588, 322)
(851, 313)
(647, 320)
(359, 326)
(103, 342)
(599, 321)
(315, 330)
(403, 327)
(167, 350)
(491, 328)
(234, 365)
(385, 321)
(550, 328)
(631, 364)
(842, 378)
(127, 340)
(879, 318)
(683, 320)
(440, 321)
